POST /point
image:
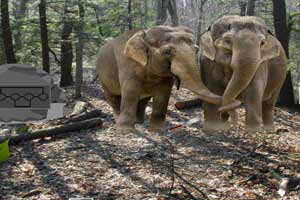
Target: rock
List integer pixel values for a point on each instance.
(79, 107)
(5, 131)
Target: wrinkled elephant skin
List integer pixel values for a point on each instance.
(242, 60)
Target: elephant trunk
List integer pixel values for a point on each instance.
(244, 65)
(190, 78)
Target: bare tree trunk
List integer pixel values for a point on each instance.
(66, 51)
(286, 97)
(98, 21)
(2, 51)
(19, 13)
(79, 50)
(243, 7)
(129, 15)
(250, 8)
(172, 8)
(146, 8)
(162, 6)
(193, 6)
(44, 36)
(6, 33)
(200, 20)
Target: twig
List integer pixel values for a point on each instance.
(249, 154)
(191, 185)
(188, 192)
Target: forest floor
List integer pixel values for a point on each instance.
(185, 164)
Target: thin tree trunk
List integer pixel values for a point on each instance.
(19, 13)
(145, 13)
(243, 7)
(79, 50)
(200, 20)
(66, 51)
(2, 51)
(6, 33)
(250, 8)
(162, 6)
(44, 36)
(286, 97)
(98, 21)
(172, 8)
(129, 15)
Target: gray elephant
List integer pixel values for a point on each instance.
(242, 59)
(139, 65)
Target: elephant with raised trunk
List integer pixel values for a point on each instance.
(141, 64)
(242, 60)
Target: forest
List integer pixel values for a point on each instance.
(97, 151)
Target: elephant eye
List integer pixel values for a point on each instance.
(262, 43)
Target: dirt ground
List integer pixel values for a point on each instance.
(186, 164)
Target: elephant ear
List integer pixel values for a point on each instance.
(207, 45)
(271, 48)
(137, 49)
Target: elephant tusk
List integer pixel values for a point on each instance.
(236, 103)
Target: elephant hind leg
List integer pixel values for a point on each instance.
(268, 112)
(114, 101)
(141, 110)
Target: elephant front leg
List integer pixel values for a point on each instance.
(129, 104)
(253, 96)
(214, 121)
(160, 106)
(253, 103)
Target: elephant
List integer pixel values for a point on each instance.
(141, 64)
(241, 59)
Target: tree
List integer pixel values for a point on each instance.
(66, 49)
(2, 52)
(162, 7)
(79, 50)
(200, 20)
(44, 36)
(146, 17)
(129, 15)
(286, 97)
(6, 33)
(250, 11)
(20, 7)
(243, 7)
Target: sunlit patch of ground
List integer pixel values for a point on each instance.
(102, 164)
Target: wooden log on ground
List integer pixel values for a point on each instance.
(85, 116)
(63, 129)
(195, 103)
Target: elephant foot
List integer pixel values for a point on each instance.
(156, 127)
(253, 129)
(116, 116)
(216, 126)
(140, 120)
(270, 128)
(123, 129)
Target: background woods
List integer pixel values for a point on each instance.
(63, 37)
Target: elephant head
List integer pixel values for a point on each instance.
(242, 44)
(165, 52)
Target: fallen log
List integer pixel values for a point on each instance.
(53, 131)
(195, 103)
(85, 116)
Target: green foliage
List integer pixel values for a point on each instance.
(112, 20)
(4, 151)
